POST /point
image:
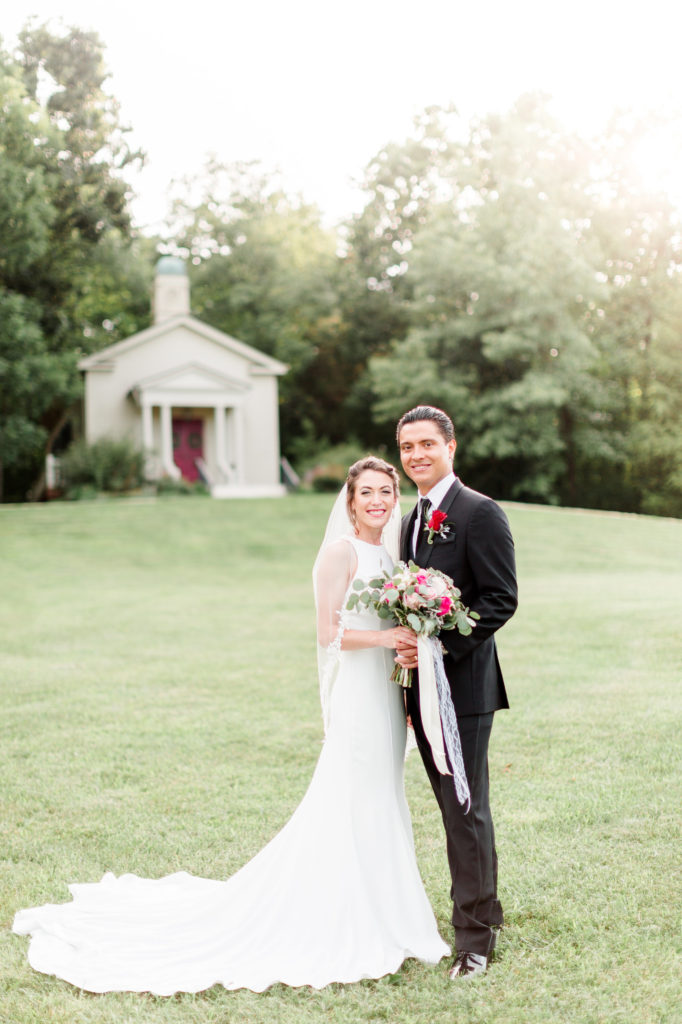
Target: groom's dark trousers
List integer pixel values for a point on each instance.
(478, 553)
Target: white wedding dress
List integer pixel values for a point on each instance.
(336, 896)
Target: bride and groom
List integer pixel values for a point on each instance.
(336, 896)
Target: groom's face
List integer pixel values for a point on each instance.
(425, 454)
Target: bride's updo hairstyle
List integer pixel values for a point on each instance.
(379, 466)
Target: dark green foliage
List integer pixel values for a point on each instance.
(66, 232)
(545, 316)
(106, 465)
(327, 483)
(507, 270)
(264, 270)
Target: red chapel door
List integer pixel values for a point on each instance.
(188, 446)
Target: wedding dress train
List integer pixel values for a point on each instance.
(336, 896)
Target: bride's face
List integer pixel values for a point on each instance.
(373, 500)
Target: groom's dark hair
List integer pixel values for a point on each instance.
(431, 413)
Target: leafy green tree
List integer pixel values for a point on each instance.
(265, 271)
(26, 215)
(403, 182)
(655, 453)
(502, 286)
(639, 365)
(30, 377)
(541, 301)
(114, 297)
(84, 157)
(64, 222)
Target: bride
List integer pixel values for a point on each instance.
(336, 896)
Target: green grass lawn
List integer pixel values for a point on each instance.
(160, 713)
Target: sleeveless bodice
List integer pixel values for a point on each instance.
(373, 560)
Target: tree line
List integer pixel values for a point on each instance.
(512, 272)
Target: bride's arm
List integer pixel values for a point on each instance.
(336, 569)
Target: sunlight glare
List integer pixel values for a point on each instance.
(658, 160)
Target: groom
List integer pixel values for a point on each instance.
(473, 545)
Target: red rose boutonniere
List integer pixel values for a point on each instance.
(436, 527)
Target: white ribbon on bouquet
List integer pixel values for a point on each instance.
(438, 716)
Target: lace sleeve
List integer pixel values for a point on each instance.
(333, 573)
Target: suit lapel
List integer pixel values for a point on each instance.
(424, 549)
(451, 496)
(406, 538)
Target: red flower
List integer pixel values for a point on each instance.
(437, 519)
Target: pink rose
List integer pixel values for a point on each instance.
(445, 606)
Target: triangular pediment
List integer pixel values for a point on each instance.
(258, 362)
(191, 377)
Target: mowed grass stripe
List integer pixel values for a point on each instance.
(160, 713)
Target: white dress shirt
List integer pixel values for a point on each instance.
(434, 497)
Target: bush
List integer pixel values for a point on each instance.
(106, 465)
(82, 492)
(328, 483)
(167, 485)
(327, 469)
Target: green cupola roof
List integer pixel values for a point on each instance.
(171, 266)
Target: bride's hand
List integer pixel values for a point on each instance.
(400, 638)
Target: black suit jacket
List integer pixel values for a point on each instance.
(478, 554)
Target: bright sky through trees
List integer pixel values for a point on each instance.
(315, 89)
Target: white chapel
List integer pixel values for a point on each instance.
(200, 403)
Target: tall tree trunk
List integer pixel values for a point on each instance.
(566, 431)
(37, 488)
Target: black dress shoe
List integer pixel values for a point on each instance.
(466, 965)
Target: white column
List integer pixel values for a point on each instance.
(167, 443)
(238, 420)
(220, 443)
(148, 438)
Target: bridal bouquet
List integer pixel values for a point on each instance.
(425, 600)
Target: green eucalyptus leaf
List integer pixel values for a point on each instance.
(462, 622)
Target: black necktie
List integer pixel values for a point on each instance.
(423, 513)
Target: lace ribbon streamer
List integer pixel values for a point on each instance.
(438, 716)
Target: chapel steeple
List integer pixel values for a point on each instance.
(171, 289)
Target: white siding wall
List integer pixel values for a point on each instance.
(109, 412)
